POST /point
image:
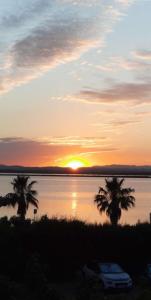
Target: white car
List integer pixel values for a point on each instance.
(110, 275)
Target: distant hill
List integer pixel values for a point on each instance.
(123, 170)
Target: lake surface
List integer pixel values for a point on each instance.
(73, 197)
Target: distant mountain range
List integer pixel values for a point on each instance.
(123, 170)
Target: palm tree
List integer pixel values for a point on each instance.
(114, 198)
(23, 195)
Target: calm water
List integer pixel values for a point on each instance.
(73, 197)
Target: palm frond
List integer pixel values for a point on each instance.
(31, 184)
(102, 190)
(33, 192)
(127, 191)
(102, 202)
(127, 202)
(32, 200)
(11, 199)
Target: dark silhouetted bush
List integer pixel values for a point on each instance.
(63, 246)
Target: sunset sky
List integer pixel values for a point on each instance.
(75, 82)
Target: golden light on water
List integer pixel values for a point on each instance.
(74, 204)
(74, 195)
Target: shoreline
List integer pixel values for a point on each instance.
(75, 175)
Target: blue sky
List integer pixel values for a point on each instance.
(75, 82)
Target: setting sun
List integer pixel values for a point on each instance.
(75, 164)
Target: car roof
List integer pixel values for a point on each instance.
(95, 261)
(108, 263)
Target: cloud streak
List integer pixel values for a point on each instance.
(133, 93)
(48, 151)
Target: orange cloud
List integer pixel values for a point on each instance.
(35, 152)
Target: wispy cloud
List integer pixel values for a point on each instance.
(120, 123)
(60, 31)
(117, 125)
(143, 113)
(24, 13)
(126, 2)
(116, 64)
(143, 54)
(139, 61)
(87, 142)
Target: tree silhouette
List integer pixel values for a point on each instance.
(23, 195)
(114, 198)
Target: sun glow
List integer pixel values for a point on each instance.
(75, 164)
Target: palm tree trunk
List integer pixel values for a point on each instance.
(114, 220)
(22, 207)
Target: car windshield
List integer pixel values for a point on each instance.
(149, 268)
(110, 268)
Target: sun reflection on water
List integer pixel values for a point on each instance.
(74, 204)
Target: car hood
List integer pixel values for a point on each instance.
(118, 276)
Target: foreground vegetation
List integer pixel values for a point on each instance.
(36, 257)
(43, 259)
